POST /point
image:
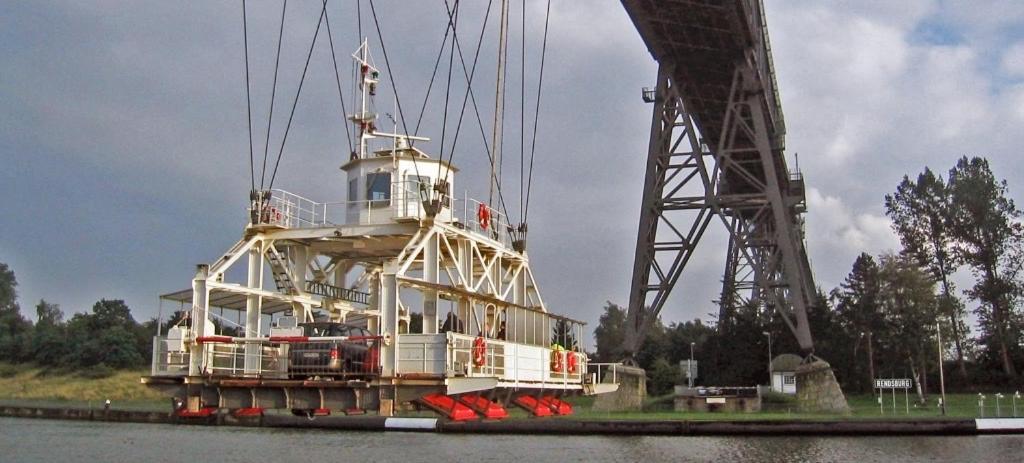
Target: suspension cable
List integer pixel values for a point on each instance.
(452, 25)
(504, 97)
(394, 87)
(430, 86)
(337, 79)
(298, 92)
(522, 117)
(470, 96)
(273, 93)
(536, 115)
(248, 99)
(469, 93)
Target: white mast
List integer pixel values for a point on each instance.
(499, 102)
(368, 78)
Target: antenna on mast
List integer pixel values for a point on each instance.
(365, 119)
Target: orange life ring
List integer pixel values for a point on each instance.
(557, 361)
(483, 215)
(479, 351)
(571, 362)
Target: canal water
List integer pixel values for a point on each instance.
(31, 440)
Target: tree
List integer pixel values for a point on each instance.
(113, 312)
(15, 330)
(857, 306)
(909, 306)
(736, 354)
(609, 334)
(922, 217)
(664, 375)
(8, 286)
(108, 336)
(49, 345)
(988, 233)
(655, 346)
(680, 335)
(116, 348)
(48, 314)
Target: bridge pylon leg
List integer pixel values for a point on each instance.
(745, 184)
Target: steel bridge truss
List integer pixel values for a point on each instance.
(744, 182)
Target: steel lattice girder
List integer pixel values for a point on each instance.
(741, 183)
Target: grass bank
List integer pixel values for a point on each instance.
(30, 385)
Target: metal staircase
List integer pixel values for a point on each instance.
(279, 271)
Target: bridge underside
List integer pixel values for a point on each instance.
(716, 150)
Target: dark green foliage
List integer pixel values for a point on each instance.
(922, 216)
(610, 333)
(778, 398)
(858, 309)
(910, 310)
(109, 336)
(737, 355)
(8, 287)
(106, 338)
(662, 377)
(15, 343)
(988, 238)
(49, 346)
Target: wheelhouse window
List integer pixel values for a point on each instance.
(378, 189)
(419, 184)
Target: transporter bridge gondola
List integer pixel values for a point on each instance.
(403, 296)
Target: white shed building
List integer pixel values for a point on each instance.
(784, 373)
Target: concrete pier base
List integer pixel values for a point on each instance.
(817, 390)
(631, 393)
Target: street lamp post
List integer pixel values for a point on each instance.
(769, 334)
(689, 368)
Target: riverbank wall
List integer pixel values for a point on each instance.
(563, 426)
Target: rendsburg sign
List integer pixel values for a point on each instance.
(894, 383)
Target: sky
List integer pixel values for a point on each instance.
(123, 130)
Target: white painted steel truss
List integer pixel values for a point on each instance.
(377, 273)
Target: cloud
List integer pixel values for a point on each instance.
(1013, 60)
(125, 134)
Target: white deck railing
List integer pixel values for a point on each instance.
(290, 210)
(448, 354)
